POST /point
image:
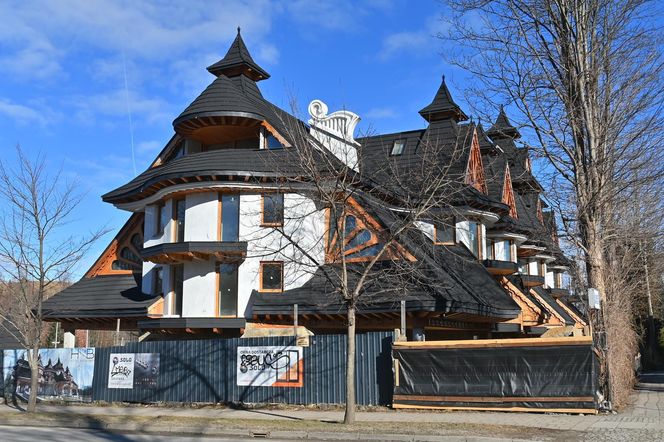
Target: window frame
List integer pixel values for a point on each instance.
(267, 223)
(452, 226)
(158, 276)
(176, 219)
(158, 227)
(262, 274)
(394, 145)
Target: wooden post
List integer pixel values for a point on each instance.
(295, 321)
(403, 319)
(117, 332)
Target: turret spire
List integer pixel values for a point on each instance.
(443, 106)
(502, 128)
(238, 61)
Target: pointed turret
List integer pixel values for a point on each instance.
(443, 106)
(238, 61)
(502, 128)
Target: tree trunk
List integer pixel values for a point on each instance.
(349, 416)
(34, 377)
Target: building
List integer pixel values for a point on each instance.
(203, 253)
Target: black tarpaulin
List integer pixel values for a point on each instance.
(540, 376)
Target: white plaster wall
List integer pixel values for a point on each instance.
(427, 228)
(201, 217)
(302, 221)
(462, 230)
(549, 279)
(199, 289)
(532, 268)
(148, 275)
(152, 238)
(168, 288)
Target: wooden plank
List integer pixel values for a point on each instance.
(488, 343)
(513, 409)
(406, 397)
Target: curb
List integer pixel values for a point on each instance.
(81, 422)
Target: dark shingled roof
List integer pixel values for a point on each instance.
(113, 296)
(7, 339)
(444, 145)
(443, 106)
(221, 98)
(445, 279)
(502, 128)
(242, 162)
(553, 305)
(238, 60)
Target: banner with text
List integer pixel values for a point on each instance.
(132, 370)
(270, 366)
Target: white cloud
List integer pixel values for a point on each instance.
(378, 113)
(412, 42)
(34, 112)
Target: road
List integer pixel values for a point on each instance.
(55, 434)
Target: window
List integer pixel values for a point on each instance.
(273, 143)
(397, 147)
(230, 217)
(161, 219)
(178, 289)
(273, 210)
(158, 281)
(180, 214)
(228, 290)
(445, 233)
(137, 241)
(499, 250)
(127, 254)
(473, 235)
(524, 267)
(272, 276)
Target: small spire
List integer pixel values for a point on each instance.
(443, 106)
(238, 61)
(238, 30)
(502, 128)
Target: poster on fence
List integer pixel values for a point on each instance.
(65, 374)
(132, 370)
(270, 366)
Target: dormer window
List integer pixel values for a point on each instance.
(273, 143)
(397, 147)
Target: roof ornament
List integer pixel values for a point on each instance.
(335, 132)
(340, 123)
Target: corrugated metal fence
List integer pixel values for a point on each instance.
(205, 371)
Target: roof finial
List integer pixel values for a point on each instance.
(238, 30)
(443, 78)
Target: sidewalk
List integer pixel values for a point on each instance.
(643, 420)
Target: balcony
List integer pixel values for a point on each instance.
(180, 252)
(500, 268)
(532, 280)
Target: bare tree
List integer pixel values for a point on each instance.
(327, 172)
(585, 79)
(36, 254)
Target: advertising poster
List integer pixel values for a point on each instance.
(270, 366)
(133, 370)
(65, 374)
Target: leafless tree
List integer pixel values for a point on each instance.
(585, 80)
(36, 253)
(409, 194)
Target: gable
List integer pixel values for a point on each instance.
(474, 168)
(361, 237)
(508, 193)
(122, 255)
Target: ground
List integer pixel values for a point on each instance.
(641, 421)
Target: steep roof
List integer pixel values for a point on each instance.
(553, 305)
(7, 336)
(101, 297)
(238, 61)
(443, 106)
(444, 147)
(221, 97)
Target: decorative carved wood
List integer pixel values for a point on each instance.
(474, 168)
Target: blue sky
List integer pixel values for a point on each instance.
(63, 67)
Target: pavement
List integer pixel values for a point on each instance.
(643, 420)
